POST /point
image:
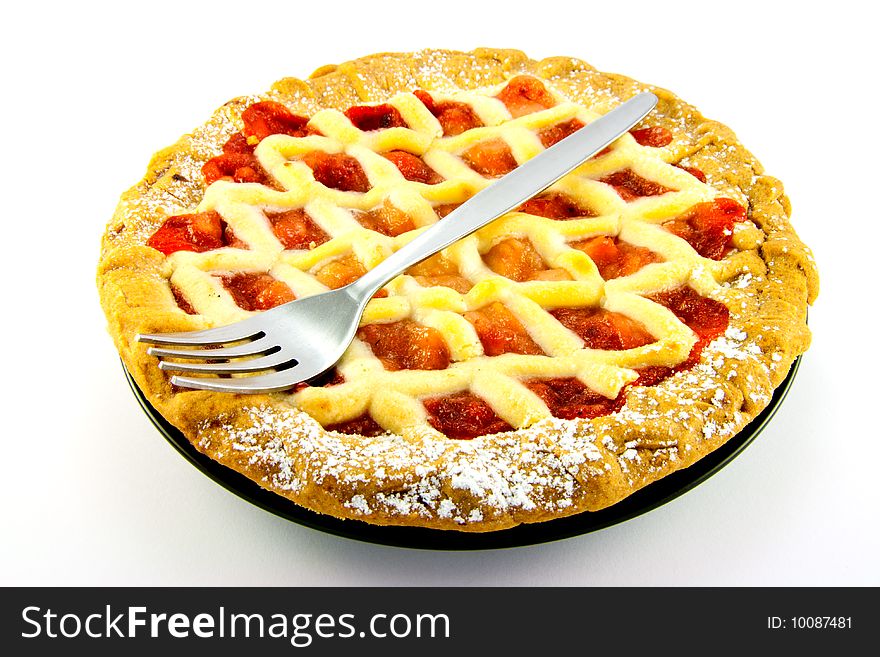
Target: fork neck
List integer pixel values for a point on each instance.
(365, 287)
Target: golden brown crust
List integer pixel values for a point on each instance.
(551, 469)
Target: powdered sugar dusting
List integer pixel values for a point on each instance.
(539, 468)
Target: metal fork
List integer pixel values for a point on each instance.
(299, 340)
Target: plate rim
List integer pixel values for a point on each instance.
(640, 502)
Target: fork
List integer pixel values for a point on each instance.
(299, 340)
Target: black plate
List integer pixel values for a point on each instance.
(640, 502)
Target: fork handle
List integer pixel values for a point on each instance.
(524, 182)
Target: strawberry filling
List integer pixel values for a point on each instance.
(337, 170)
(445, 209)
(457, 283)
(182, 302)
(654, 136)
(491, 158)
(413, 168)
(463, 416)
(238, 143)
(630, 185)
(439, 271)
(270, 118)
(236, 167)
(203, 231)
(386, 219)
(569, 398)
(603, 329)
(257, 292)
(238, 162)
(614, 258)
(694, 171)
(524, 95)
(708, 227)
(375, 117)
(555, 205)
(296, 230)
(455, 118)
(500, 331)
(364, 425)
(406, 345)
(342, 271)
(518, 260)
(514, 258)
(705, 317)
(556, 133)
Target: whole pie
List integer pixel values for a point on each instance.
(612, 330)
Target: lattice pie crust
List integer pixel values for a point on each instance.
(545, 467)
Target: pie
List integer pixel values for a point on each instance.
(610, 331)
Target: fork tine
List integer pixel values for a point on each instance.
(273, 382)
(231, 333)
(253, 365)
(256, 348)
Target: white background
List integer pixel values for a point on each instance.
(92, 494)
